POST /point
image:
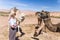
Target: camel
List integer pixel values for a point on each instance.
(45, 17)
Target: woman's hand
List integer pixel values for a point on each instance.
(13, 26)
(18, 22)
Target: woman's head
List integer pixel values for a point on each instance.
(13, 12)
(15, 9)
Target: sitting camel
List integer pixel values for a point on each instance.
(45, 17)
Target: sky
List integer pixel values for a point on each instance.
(35, 5)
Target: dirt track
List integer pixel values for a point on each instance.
(28, 28)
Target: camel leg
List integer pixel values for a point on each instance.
(44, 29)
(37, 27)
(40, 30)
(39, 23)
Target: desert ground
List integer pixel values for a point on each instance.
(28, 26)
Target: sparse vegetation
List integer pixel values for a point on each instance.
(55, 16)
(4, 13)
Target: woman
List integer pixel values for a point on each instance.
(13, 23)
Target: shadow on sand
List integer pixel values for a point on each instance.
(35, 38)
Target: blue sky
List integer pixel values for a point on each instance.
(35, 5)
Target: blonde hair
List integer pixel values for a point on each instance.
(12, 12)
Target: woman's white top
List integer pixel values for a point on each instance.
(12, 21)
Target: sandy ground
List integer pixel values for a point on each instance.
(28, 27)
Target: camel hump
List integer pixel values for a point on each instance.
(50, 26)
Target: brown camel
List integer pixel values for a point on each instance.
(45, 17)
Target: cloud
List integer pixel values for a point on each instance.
(18, 4)
(11, 3)
(46, 8)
